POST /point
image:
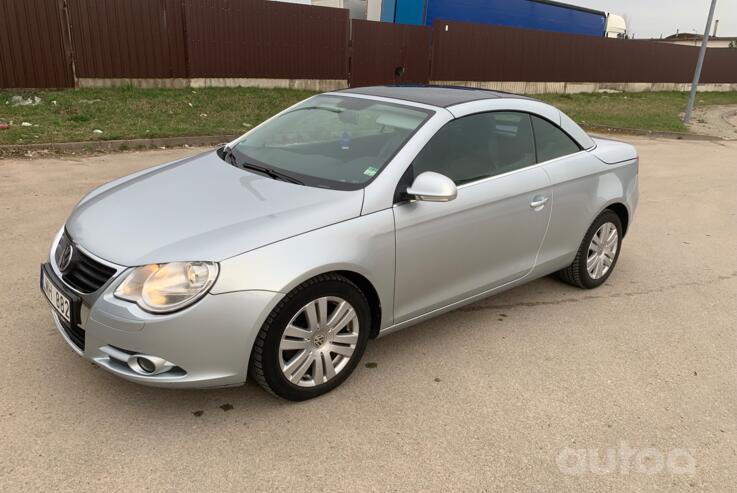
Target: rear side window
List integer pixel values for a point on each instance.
(479, 146)
(551, 141)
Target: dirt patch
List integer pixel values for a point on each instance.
(732, 118)
(717, 121)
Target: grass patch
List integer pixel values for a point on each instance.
(73, 115)
(656, 111)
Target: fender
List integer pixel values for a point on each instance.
(364, 245)
(583, 181)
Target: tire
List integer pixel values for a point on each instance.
(577, 274)
(276, 366)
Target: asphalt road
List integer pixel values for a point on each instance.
(531, 390)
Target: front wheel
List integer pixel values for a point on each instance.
(313, 339)
(597, 256)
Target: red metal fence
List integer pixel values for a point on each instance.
(34, 48)
(383, 53)
(43, 43)
(720, 66)
(254, 38)
(475, 52)
(128, 38)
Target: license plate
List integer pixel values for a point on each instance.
(61, 303)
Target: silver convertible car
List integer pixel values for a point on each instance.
(343, 218)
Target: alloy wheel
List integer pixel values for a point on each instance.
(318, 341)
(602, 250)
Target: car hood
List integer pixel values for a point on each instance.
(200, 208)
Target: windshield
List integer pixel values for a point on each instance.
(331, 141)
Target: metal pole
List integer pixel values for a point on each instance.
(699, 64)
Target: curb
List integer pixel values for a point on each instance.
(603, 129)
(94, 146)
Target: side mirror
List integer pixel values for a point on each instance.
(433, 187)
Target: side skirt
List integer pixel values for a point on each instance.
(536, 273)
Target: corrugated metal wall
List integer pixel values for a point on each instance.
(151, 39)
(254, 38)
(147, 39)
(477, 52)
(34, 44)
(379, 48)
(720, 66)
(128, 38)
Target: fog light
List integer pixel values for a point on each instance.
(146, 365)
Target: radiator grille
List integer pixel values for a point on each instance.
(84, 274)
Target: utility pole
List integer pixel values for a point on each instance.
(699, 64)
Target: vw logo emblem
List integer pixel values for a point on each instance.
(65, 261)
(319, 339)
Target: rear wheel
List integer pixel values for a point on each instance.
(597, 256)
(313, 339)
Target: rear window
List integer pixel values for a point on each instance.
(551, 141)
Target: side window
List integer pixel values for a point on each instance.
(479, 146)
(551, 141)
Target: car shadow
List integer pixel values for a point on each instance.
(381, 355)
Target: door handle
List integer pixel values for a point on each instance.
(538, 202)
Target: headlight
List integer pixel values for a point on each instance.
(162, 288)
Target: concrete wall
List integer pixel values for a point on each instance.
(585, 87)
(719, 43)
(321, 85)
(324, 85)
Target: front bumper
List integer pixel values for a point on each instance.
(209, 343)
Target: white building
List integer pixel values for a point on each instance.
(359, 9)
(692, 39)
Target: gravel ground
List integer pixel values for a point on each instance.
(630, 387)
(716, 121)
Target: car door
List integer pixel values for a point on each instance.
(491, 233)
(575, 176)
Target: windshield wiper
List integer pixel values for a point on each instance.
(270, 172)
(229, 157)
(331, 109)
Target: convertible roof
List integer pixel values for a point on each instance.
(443, 96)
(446, 96)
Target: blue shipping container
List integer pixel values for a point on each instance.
(410, 12)
(387, 10)
(529, 14)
